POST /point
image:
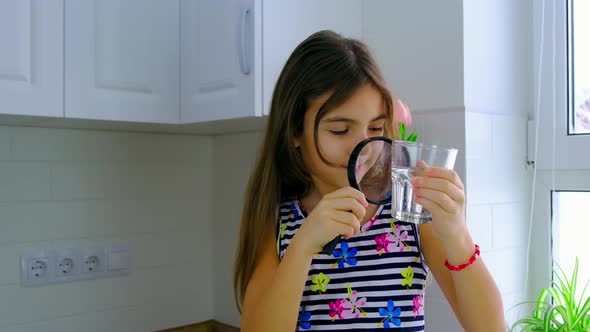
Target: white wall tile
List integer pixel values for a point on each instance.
(507, 267)
(10, 259)
(142, 286)
(513, 309)
(440, 316)
(479, 182)
(510, 225)
(509, 143)
(234, 157)
(126, 217)
(24, 181)
(478, 133)
(5, 143)
(82, 188)
(26, 222)
(479, 222)
(167, 180)
(146, 317)
(52, 144)
(82, 180)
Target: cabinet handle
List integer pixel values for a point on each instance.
(245, 68)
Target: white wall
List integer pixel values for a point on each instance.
(498, 97)
(419, 45)
(233, 157)
(67, 188)
(498, 65)
(498, 198)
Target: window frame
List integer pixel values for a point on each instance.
(541, 254)
(567, 152)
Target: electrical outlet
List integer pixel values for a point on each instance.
(92, 261)
(66, 264)
(91, 264)
(36, 269)
(48, 266)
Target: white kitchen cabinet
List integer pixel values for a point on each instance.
(122, 60)
(220, 59)
(233, 51)
(31, 57)
(154, 61)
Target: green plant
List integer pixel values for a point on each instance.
(556, 308)
(402, 133)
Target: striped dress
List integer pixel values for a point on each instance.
(372, 281)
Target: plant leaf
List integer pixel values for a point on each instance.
(583, 293)
(528, 323)
(402, 131)
(548, 319)
(557, 307)
(582, 315)
(413, 137)
(541, 306)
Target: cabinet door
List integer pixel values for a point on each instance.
(287, 23)
(31, 57)
(122, 60)
(219, 69)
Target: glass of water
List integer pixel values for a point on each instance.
(405, 156)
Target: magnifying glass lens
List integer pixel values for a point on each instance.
(369, 169)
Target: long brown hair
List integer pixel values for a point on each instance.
(325, 62)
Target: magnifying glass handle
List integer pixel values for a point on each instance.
(329, 247)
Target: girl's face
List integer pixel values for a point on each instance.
(339, 131)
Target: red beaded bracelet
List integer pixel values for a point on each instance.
(464, 265)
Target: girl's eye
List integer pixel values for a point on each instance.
(339, 132)
(376, 129)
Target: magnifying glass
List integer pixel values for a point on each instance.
(369, 171)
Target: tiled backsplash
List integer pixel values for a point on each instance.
(63, 188)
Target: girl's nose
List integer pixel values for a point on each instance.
(363, 136)
(359, 138)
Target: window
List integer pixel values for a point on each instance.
(578, 54)
(571, 223)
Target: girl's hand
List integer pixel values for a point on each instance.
(337, 213)
(441, 191)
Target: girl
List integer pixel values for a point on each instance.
(330, 96)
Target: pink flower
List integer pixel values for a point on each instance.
(418, 304)
(353, 306)
(383, 242)
(401, 114)
(398, 238)
(336, 308)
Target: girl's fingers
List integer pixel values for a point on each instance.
(348, 192)
(428, 204)
(443, 173)
(441, 185)
(348, 204)
(439, 198)
(348, 220)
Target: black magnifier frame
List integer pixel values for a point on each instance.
(352, 166)
(352, 181)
